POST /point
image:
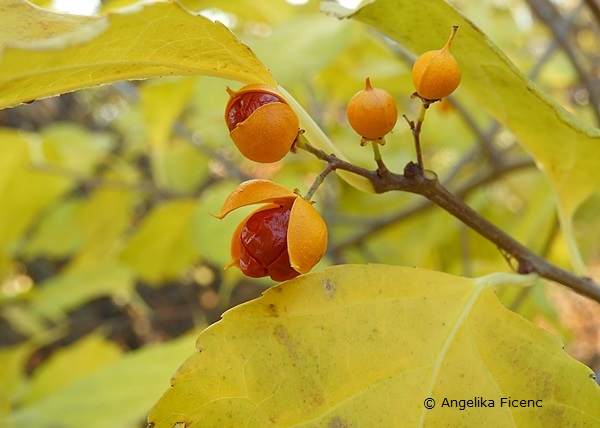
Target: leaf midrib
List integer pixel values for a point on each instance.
(437, 367)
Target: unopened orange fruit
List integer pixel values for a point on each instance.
(372, 112)
(436, 74)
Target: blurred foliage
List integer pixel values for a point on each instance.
(106, 242)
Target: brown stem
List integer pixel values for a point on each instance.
(318, 181)
(426, 184)
(424, 205)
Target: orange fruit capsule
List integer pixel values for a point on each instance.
(436, 74)
(282, 239)
(261, 123)
(372, 112)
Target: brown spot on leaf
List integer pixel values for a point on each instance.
(283, 337)
(338, 422)
(273, 311)
(329, 287)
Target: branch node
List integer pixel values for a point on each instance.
(412, 171)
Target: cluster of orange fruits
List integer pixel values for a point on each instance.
(286, 236)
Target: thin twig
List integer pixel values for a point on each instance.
(523, 293)
(424, 205)
(415, 127)
(318, 181)
(426, 184)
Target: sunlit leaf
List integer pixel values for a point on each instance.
(251, 11)
(371, 343)
(56, 234)
(20, 24)
(101, 220)
(159, 39)
(567, 151)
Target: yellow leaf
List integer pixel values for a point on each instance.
(366, 346)
(160, 39)
(88, 230)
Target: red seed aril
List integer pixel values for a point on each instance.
(245, 105)
(264, 245)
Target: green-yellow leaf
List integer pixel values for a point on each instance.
(12, 375)
(371, 343)
(162, 103)
(116, 395)
(159, 39)
(90, 229)
(90, 354)
(70, 290)
(72, 148)
(185, 167)
(290, 57)
(100, 222)
(162, 245)
(24, 191)
(567, 151)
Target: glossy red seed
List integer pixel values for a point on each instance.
(264, 245)
(244, 105)
(280, 269)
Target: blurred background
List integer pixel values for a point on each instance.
(110, 263)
